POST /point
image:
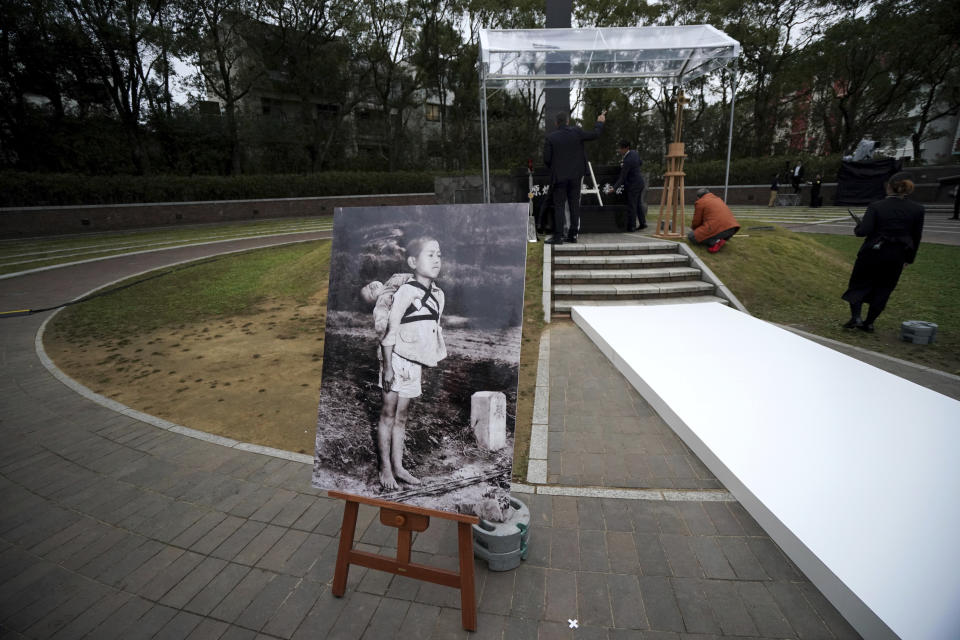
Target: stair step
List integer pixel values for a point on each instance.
(607, 248)
(659, 289)
(625, 276)
(564, 306)
(622, 261)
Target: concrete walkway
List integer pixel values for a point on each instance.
(112, 528)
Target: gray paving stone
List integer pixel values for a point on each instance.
(170, 576)
(420, 621)
(744, 564)
(660, 603)
(322, 616)
(711, 558)
(642, 516)
(121, 567)
(766, 615)
(529, 592)
(561, 595)
(238, 540)
(293, 510)
(193, 583)
(548, 630)
(622, 552)
(626, 602)
(565, 549)
(593, 601)
(234, 603)
(681, 556)
(375, 583)
(668, 519)
(273, 506)
(450, 627)
(750, 526)
(294, 609)
(263, 607)
(93, 616)
(650, 553)
(728, 609)
(520, 628)
(34, 605)
(694, 609)
(696, 518)
(215, 591)
(314, 547)
(387, 618)
(259, 545)
(497, 593)
(402, 588)
(234, 632)
(565, 512)
(180, 626)
(616, 515)
(593, 551)
(136, 580)
(355, 616)
(119, 621)
(150, 623)
(538, 546)
(837, 624)
(723, 519)
(198, 530)
(804, 619)
(208, 629)
(775, 564)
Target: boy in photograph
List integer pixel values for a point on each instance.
(413, 340)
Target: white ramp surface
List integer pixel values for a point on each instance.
(852, 470)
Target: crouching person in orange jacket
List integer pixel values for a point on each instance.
(713, 222)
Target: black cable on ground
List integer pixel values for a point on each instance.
(27, 312)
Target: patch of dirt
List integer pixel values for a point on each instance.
(254, 378)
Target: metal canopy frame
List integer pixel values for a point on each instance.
(600, 57)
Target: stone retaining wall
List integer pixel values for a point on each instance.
(37, 221)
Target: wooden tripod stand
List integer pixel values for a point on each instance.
(670, 221)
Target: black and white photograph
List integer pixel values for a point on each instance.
(421, 355)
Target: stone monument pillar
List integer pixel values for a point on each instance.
(557, 94)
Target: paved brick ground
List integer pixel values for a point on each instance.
(111, 528)
(602, 432)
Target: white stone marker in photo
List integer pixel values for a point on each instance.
(488, 415)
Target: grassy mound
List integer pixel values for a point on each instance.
(796, 279)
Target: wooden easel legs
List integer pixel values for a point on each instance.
(406, 522)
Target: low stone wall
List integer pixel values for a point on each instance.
(37, 221)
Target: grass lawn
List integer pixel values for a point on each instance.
(796, 279)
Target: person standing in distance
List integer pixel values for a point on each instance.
(632, 181)
(564, 155)
(892, 228)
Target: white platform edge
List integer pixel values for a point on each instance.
(857, 613)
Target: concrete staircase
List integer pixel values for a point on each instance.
(625, 273)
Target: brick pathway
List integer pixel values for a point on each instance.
(112, 528)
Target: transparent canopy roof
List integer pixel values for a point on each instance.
(603, 57)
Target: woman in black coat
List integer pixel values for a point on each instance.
(892, 228)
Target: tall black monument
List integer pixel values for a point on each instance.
(557, 98)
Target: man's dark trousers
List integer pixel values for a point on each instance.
(566, 191)
(635, 217)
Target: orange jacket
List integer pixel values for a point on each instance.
(711, 215)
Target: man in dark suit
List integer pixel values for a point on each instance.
(564, 155)
(632, 182)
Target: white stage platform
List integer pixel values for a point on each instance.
(853, 471)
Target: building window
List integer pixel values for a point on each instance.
(433, 113)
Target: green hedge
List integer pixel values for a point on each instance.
(51, 189)
(752, 170)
